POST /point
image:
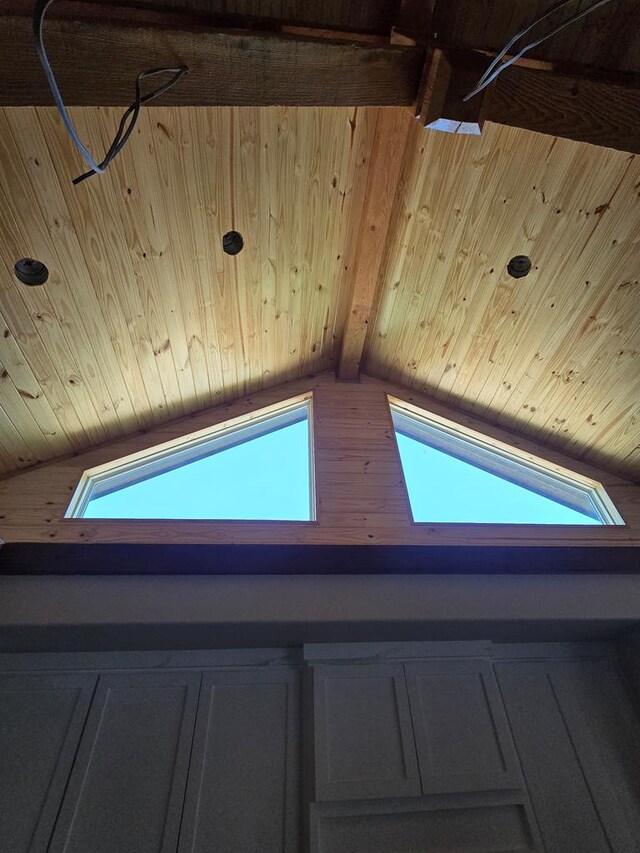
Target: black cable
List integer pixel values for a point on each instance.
(122, 134)
(126, 127)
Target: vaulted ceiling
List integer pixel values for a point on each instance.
(556, 354)
(144, 317)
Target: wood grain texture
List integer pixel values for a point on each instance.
(391, 133)
(361, 498)
(144, 318)
(555, 355)
(434, 86)
(415, 16)
(97, 65)
(608, 38)
(600, 108)
(601, 113)
(373, 16)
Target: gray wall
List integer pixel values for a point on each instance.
(629, 655)
(38, 613)
(463, 746)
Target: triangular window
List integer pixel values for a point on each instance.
(257, 467)
(454, 474)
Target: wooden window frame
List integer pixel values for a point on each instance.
(137, 467)
(520, 467)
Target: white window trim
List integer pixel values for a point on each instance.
(518, 466)
(136, 467)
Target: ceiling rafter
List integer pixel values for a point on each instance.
(599, 108)
(391, 134)
(289, 63)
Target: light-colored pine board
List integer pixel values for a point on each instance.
(145, 319)
(152, 267)
(13, 400)
(76, 279)
(51, 309)
(142, 305)
(166, 173)
(392, 129)
(31, 392)
(361, 498)
(556, 354)
(99, 231)
(106, 199)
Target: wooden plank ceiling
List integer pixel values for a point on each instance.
(555, 355)
(144, 318)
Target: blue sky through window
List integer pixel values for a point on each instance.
(264, 478)
(445, 489)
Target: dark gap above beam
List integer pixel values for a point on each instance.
(374, 16)
(56, 558)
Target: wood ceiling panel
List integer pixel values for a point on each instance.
(556, 354)
(371, 15)
(144, 318)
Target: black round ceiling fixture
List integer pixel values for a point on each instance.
(31, 272)
(519, 266)
(232, 242)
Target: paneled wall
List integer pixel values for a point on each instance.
(629, 652)
(360, 488)
(469, 747)
(136, 757)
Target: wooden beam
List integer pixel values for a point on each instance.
(434, 87)
(97, 63)
(588, 110)
(601, 108)
(391, 133)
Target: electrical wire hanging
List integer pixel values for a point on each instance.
(497, 67)
(128, 120)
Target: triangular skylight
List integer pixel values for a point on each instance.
(257, 467)
(454, 474)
